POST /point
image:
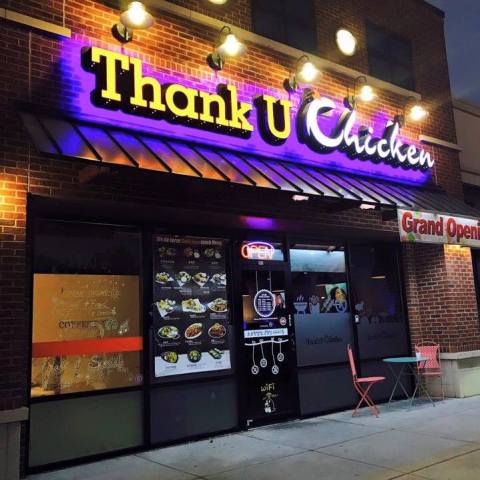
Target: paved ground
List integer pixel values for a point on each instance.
(425, 442)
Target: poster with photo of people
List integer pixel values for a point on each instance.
(191, 311)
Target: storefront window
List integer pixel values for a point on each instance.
(320, 300)
(191, 312)
(390, 56)
(288, 21)
(381, 325)
(87, 332)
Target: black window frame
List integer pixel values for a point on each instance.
(388, 56)
(287, 18)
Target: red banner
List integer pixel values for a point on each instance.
(87, 347)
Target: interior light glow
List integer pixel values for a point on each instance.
(367, 206)
(218, 2)
(346, 42)
(300, 198)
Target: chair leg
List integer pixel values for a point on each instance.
(364, 397)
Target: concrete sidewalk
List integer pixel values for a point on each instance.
(424, 442)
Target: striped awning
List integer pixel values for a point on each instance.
(111, 145)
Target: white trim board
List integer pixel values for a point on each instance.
(440, 143)
(35, 23)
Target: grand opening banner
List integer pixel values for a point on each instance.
(426, 227)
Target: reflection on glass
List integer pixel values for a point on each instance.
(263, 298)
(305, 260)
(382, 330)
(320, 300)
(86, 323)
(86, 333)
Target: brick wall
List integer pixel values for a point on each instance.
(441, 296)
(31, 70)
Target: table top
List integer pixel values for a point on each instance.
(404, 359)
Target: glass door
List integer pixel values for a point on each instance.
(323, 326)
(268, 343)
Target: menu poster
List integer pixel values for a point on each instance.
(191, 312)
(86, 333)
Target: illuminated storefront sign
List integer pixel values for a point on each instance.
(425, 227)
(388, 148)
(257, 251)
(120, 84)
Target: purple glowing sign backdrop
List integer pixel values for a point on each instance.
(79, 84)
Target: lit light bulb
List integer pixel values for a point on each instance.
(136, 16)
(346, 42)
(231, 46)
(218, 2)
(418, 113)
(308, 73)
(366, 93)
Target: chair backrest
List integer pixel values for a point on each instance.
(431, 351)
(352, 363)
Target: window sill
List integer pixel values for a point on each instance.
(11, 416)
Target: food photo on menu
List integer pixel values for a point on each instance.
(191, 318)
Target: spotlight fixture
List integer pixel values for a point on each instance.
(227, 45)
(346, 42)
(366, 93)
(135, 17)
(361, 91)
(305, 72)
(218, 2)
(416, 112)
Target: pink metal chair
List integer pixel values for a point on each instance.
(432, 367)
(363, 386)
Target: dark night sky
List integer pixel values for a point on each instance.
(462, 32)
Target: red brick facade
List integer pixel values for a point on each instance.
(439, 282)
(441, 296)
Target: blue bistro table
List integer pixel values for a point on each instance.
(409, 367)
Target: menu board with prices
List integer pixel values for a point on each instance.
(191, 312)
